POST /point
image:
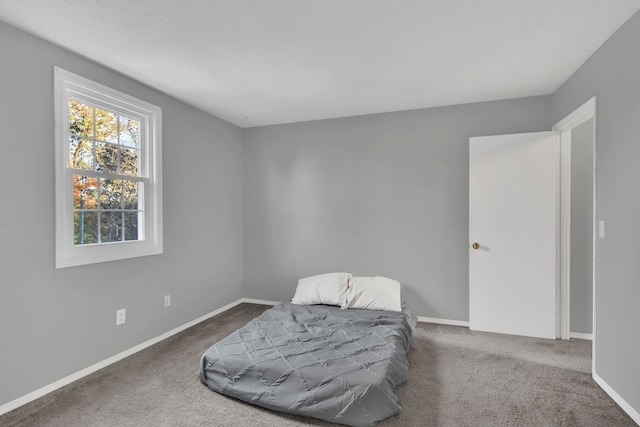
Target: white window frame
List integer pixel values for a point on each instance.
(68, 85)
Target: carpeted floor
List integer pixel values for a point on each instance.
(457, 378)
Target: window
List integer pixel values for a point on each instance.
(108, 180)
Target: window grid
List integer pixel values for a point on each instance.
(111, 220)
(123, 210)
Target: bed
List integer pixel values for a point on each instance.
(320, 361)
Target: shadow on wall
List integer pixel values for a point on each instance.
(414, 300)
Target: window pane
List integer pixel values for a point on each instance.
(110, 226)
(131, 225)
(129, 159)
(110, 192)
(131, 194)
(80, 118)
(85, 227)
(129, 131)
(106, 157)
(85, 192)
(80, 153)
(106, 126)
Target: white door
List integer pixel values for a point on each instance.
(513, 209)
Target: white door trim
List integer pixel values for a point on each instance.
(563, 291)
(583, 113)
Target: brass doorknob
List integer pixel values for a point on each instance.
(476, 246)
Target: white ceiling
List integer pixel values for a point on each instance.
(260, 62)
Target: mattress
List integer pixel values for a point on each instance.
(342, 366)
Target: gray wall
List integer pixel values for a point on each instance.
(384, 194)
(581, 294)
(613, 75)
(57, 322)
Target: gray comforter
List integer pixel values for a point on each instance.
(342, 366)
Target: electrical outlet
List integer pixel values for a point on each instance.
(121, 316)
(167, 300)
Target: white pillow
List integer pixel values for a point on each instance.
(329, 289)
(374, 293)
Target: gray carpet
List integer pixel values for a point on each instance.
(457, 378)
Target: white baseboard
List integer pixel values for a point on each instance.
(581, 336)
(14, 404)
(113, 359)
(420, 318)
(259, 301)
(635, 415)
(443, 321)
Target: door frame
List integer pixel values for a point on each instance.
(563, 292)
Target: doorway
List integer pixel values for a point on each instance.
(577, 125)
(578, 231)
(581, 246)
